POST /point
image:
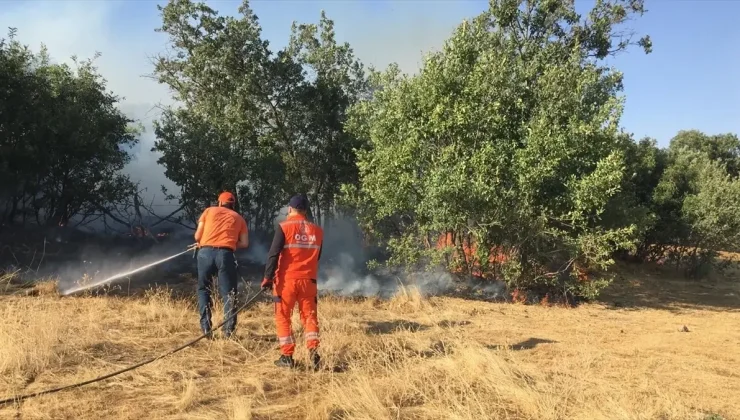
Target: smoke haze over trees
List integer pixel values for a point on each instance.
(507, 143)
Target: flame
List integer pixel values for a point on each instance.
(139, 232)
(469, 248)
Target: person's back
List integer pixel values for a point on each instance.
(299, 258)
(221, 227)
(220, 232)
(293, 264)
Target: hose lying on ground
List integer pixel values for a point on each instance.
(20, 398)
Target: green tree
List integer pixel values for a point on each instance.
(645, 164)
(62, 137)
(335, 80)
(508, 136)
(211, 141)
(18, 125)
(695, 204)
(660, 192)
(266, 125)
(724, 148)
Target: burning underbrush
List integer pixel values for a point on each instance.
(77, 260)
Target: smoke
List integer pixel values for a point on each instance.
(344, 278)
(343, 270)
(256, 253)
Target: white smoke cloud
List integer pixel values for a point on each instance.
(345, 278)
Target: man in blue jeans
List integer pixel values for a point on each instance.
(220, 232)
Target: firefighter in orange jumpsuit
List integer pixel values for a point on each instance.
(293, 263)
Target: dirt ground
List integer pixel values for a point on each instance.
(654, 348)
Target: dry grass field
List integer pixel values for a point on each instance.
(655, 348)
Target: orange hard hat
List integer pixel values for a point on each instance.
(226, 197)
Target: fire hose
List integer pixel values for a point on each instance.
(20, 398)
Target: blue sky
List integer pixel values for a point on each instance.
(690, 81)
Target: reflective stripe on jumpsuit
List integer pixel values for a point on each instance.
(286, 295)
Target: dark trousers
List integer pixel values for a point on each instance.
(222, 262)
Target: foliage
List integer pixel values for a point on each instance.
(509, 135)
(696, 203)
(644, 167)
(63, 141)
(723, 148)
(266, 125)
(682, 199)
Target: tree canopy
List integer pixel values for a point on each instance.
(63, 141)
(508, 137)
(266, 124)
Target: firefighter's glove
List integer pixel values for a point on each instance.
(266, 283)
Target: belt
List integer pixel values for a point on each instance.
(218, 247)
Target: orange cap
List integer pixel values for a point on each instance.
(226, 197)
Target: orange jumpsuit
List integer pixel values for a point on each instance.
(293, 262)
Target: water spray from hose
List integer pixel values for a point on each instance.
(80, 288)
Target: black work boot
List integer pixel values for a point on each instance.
(285, 361)
(315, 359)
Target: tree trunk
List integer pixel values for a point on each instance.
(13, 211)
(237, 206)
(328, 214)
(137, 208)
(309, 214)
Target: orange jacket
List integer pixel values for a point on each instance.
(296, 250)
(221, 227)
